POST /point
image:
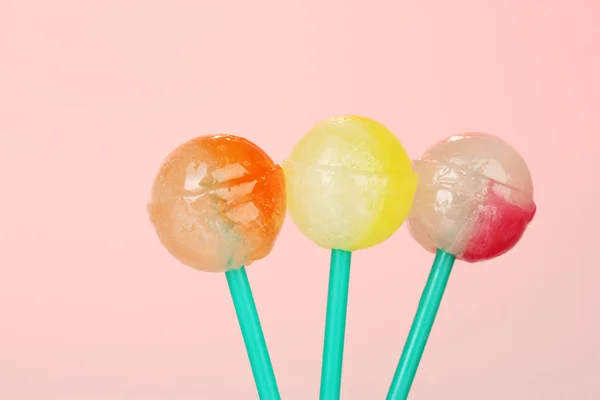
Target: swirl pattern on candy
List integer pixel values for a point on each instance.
(218, 203)
(349, 183)
(474, 199)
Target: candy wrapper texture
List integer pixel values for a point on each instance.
(474, 199)
(349, 183)
(218, 203)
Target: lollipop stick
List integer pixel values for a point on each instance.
(335, 325)
(421, 327)
(254, 339)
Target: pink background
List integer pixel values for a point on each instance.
(94, 94)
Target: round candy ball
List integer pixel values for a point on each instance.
(349, 183)
(218, 203)
(474, 198)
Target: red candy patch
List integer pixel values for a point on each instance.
(499, 227)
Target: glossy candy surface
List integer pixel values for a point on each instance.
(349, 183)
(474, 198)
(218, 203)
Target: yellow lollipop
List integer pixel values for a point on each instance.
(349, 183)
(349, 186)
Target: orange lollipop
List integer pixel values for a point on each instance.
(218, 203)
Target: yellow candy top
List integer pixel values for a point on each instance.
(349, 183)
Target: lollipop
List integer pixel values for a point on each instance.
(349, 186)
(218, 203)
(473, 202)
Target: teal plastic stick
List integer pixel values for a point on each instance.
(256, 346)
(421, 327)
(335, 325)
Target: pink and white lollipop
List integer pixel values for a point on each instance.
(473, 202)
